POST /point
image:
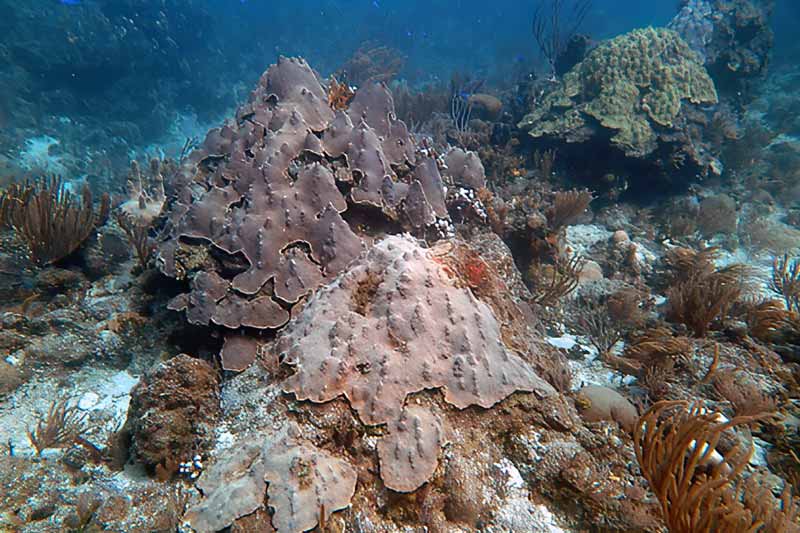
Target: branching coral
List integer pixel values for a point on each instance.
(544, 163)
(49, 219)
(554, 25)
(593, 320)
(745, 398)
(717, 214)
(767, 319)
(146, 191)
(762, 233)
(702, 294)
(137, 233)
(418, 109)
(371, 63)
(567, 207)
(699, 489)
(652, 358)
(550, 283)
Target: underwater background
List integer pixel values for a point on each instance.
(381, 266)
(109, 78)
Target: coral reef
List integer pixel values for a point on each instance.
(266, 191)
(404, 313)
(635, 87)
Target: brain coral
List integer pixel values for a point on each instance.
(633, 85)
(398, 321)
(267, 194)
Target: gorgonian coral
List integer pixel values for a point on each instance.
(49, 219)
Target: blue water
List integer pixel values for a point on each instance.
(116, 76)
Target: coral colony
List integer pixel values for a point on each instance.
(560, 296)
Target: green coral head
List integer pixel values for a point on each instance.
(633, 84)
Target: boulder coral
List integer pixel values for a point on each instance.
(634, 86)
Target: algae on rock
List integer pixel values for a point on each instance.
(634, 85)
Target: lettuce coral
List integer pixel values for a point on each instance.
(396, 322)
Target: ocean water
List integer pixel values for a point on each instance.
(399, 266)
(147, 66)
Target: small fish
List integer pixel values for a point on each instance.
(70, 2)
(376, 4)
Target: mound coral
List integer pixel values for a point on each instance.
(396, 323)
(264, 207)
(633, 85)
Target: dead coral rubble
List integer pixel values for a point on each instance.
(266, 199)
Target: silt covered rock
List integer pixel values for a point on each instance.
(172, 411)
